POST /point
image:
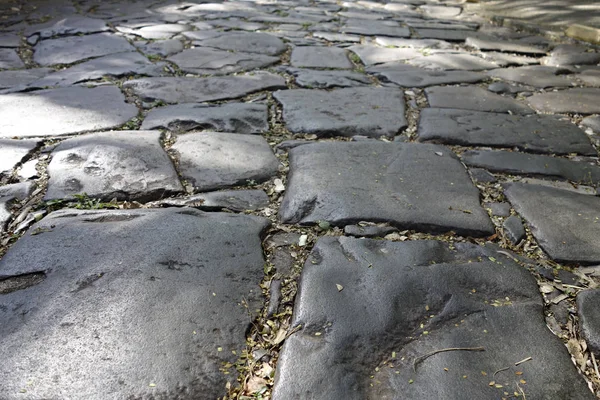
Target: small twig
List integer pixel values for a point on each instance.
(523, 360)
(595, 365)
(421, 358)
(500, 370)
(522, 391)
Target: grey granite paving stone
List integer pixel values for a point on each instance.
(318, 79)
(371, 55)
(440, 12)
(337, 37)
(205, 60)
(161, 31)
(234, 200)
(452, 61)
(375, 28)
(592, 122)
(237, 24)
(473, 98)
(67, 26)
(199, 36)
(250, 42)
(346, 112)
(9, 39)
(126, 165)
(397, 302)
(507, 59)
(320, 57)
(348, 182)
(76, 48)
(534, 133)
(571, 55)
(413, 43)
(190, 90)
(516, 163)
(565, 224)
(503, 45)
(133, 304)
(13, 152)
(589, 317)
(161, 48)
(408, 76)
(113, 65)
(9, 194)
(16, 80)
(63, 111)
(590, 77)
(499, 209)
(230, 117)
(10, 59)
(216, 160)
(514, 229)
(449, 35)
(448, 25)
(481, 175)
(536, 75)
(504, 88)
(577, 100)
(370, 231)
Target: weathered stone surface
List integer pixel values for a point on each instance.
(63, 111)
(504, 88)
(413, 43)
(127, 165)
(161, 31)
(499, 209)
(215, 160)
(534, 133)
(161, 48)
(481, 175)
(16, 80)
(514, 229)
(190, 90)
(507, 59)
(70, 25)
(592, 122)
(347, 112)
(502, 45)
(375, 28)
(234, 200)
(136, 303)
(567, 54)
(449, 35)
(397, 303)
(250, 42)
(345, 183)
(435, 11)
(204, 60)
(371, 55)
(10, 59)
(9, 194)
(113, 65)
(317, 79)
(578, 100)
(13, 152)
(337, 37)
(320, 57)
(534, 165)
(10, 40)
(409, 76)
(452, 61)
(230, 117)
(473, 98)
(536, 75)
(369, 231)
(564, 223)
(589, 317)
(76, 48)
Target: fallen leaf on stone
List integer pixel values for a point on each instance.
(339, 287)
(439, 153)
(279, 185)
(280, 337)
(546, 288)
(302, 241)
(255, 384)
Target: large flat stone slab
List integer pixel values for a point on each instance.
(67, 26)
(503, 46)
(327, 79)
(533, 133)
(564, 223)
(375, 28)
(205, 60)
(8, 194)
(410, 186)
(538, 76)
(251, 42)
(408, 76)
(579, 100)
(134, 304)
(589, 317)
(10, 59)
(375, 314)
(230, 117)
(370, 112)
(196, 90)
(127, 165)
(452, 61)
(17, 80)
(71, 49)
(216, 160)
(13, 152)
(63, 111)
(449, 35)
(320, 57)
(371, 55)
(473, 98)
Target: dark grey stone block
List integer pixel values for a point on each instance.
(473, 98)
(409, 76)
(67, 26)
(204, 60)
(318, 79)
(320, 57)
(234, 200)
(535, 75)
(514, 229)
(9, 59)
(503, 45)
(369, 231)
(17, 80)
(589, 317)
(250, 42)
(578, 100)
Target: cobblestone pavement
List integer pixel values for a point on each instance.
(295, 200)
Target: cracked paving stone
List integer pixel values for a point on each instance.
(371, 55)
(409, 186)
(13, 152)
(408, 76)
(234, 200)
(196, 90)
(534, 133)
(427, 297)
(452, 61)
(10, 59)
(578, 100)
(538, 76)
(320, 57)
(566, 224)
(367, 111)
(589, 317)
(163, 48)
(231, 117)
(511, 162)
(68, 26)
(126, 165)
(205, 60)
(514, 229)
(216, 160)
(134, 304)
(503, 46)
(63, 111)
(473, 98)
(250, 42)
(76, 48)
(9, 194)
(113, 65)
(317, 79)
(17, 80)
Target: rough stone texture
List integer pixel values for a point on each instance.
(514, 229)
(536, 75)
(10, 40)
(76, 48)
(579, 100)
(250, 42)
(63, 111)
(320, 57)
(337, 37)
(309, 78)
(408, 300)
(449, 35)
(592, 122)
(68, 26)
(564, 223)
(347, 112)
(435, 11)
(16, 80)
(375, 28)
(534, 133)
(589, 317)
(473, 98)
(10, 59)
(214, 160)
(499, 209)
(161, 31)
(369, 231)
(133, 304)
(502, 45)
(230, 117)
(586, 173)
(13, 152)
(481, 175)
(234, 200)
(409, 76)
(371, 55)
(345, 183)
(590, 77)
(507, 59)
(571, 55)
(452, 61)
(127, 165)
(9, 194)
(190, 90)
(204, 60)
(161, 48)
